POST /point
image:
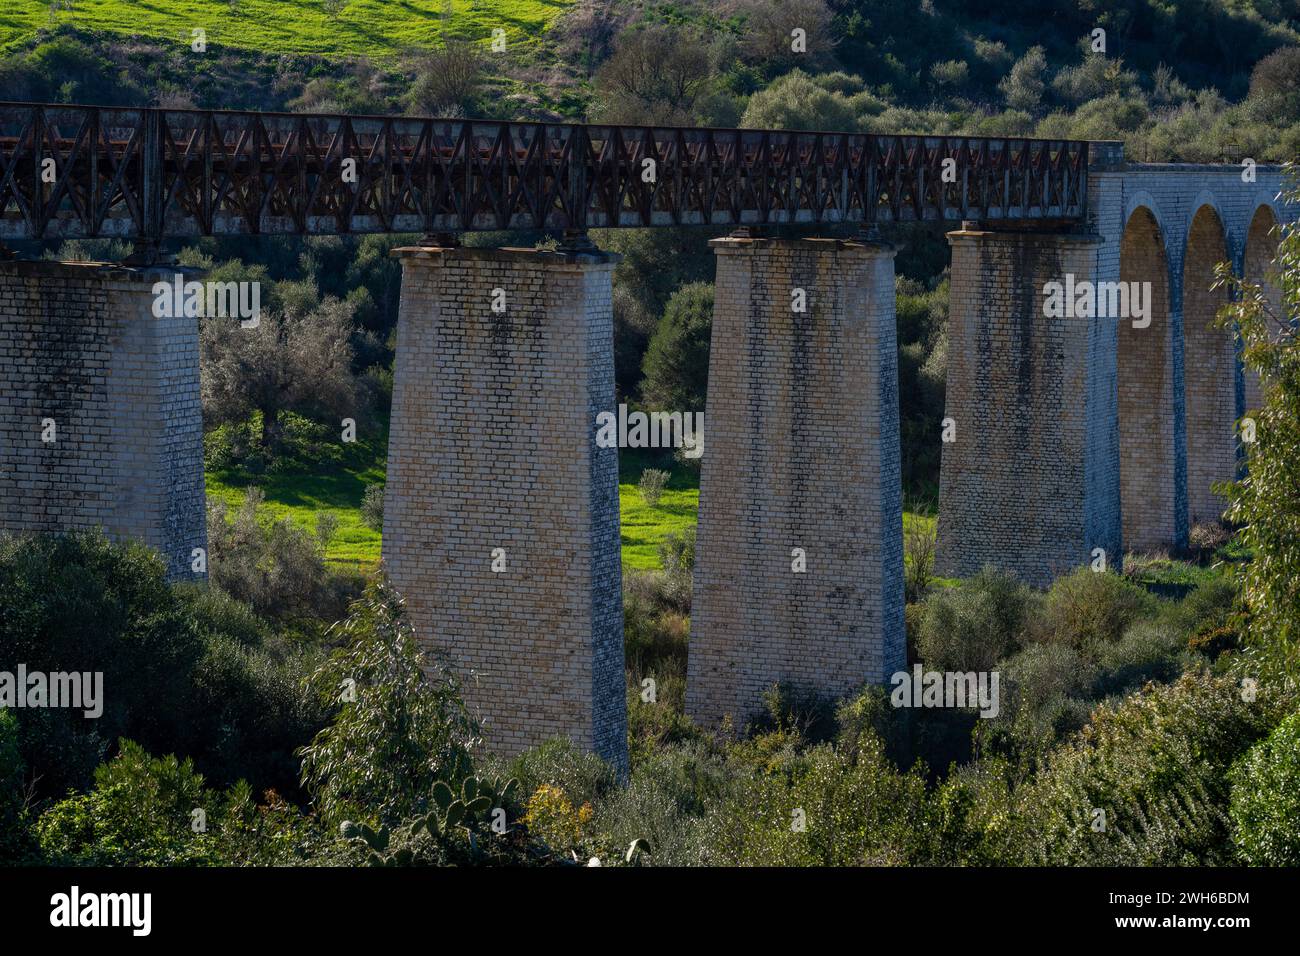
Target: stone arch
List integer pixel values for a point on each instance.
(1257, 263)
(1209, 368)
(1145, 383)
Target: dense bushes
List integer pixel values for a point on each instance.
(185, 670)
(1181, 772)
(1266, 798)
(1088, 609)
(79, 603)
(1147, 783)
(276, 567)
(141, 811)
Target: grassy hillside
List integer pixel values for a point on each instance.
(375, 28)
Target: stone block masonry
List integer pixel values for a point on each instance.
(1030, 485)
(80, 346)
(504, 359)
(801, 452)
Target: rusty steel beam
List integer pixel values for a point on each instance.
(149, 174)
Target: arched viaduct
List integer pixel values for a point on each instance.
(1101, 431)
(501, 522)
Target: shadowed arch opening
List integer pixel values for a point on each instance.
(1145, 381)
(1261, 248)
(1209, 370)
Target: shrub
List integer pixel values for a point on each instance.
(932, 738)
(651, 485)
(372, 507)
(582, 776)
(973, 626)
(654, 725)
(677, 555)
(797, 101)
(215, 614)
(278, 568)
(1024, 85)
(1207, 537)
(676, 363)
(1148, 651)
(250, 714)
(1210, 617)
(663, 803)
(1087, 608)
(401, 723)
(829, 811)
(551, 816)
(1266, 798)
(139, 813)
(918, 550)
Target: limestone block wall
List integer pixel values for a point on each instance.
(802, 452)
(492, 446)
(1030, 484)
(79, 344)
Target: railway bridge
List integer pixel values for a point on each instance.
(1070, 431)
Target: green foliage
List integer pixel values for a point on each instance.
(677, 361)
(930, 739)
(825, 810)
(1086, 609)
(140, 812)
(1275, 85)
(457, 817)
(665, 802)
(277, 568)
(973, 626)
(401, 725)
(1266, 503)
(1266, 798)
(1025, 84)
(250, 713)
(80, 603)
(296, 26)
(1156, 764)
(372, 507)
(583, 777)
(677, 557)
(798, 101)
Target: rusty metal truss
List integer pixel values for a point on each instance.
(83, 172)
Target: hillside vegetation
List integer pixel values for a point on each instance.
(375, 28)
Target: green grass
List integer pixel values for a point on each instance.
(375, 28)
(336, 487)
(643, 528)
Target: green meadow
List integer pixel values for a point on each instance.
(373, 28)
(338, 486)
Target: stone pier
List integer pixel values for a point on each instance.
(501, 513)
(100, 421)
(1030, 478)
(799, 558)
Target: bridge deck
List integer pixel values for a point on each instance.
(83, 171)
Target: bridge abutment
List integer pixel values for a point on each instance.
(1029, 481)
(100, 419)
(501, 512)
(799, 559)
